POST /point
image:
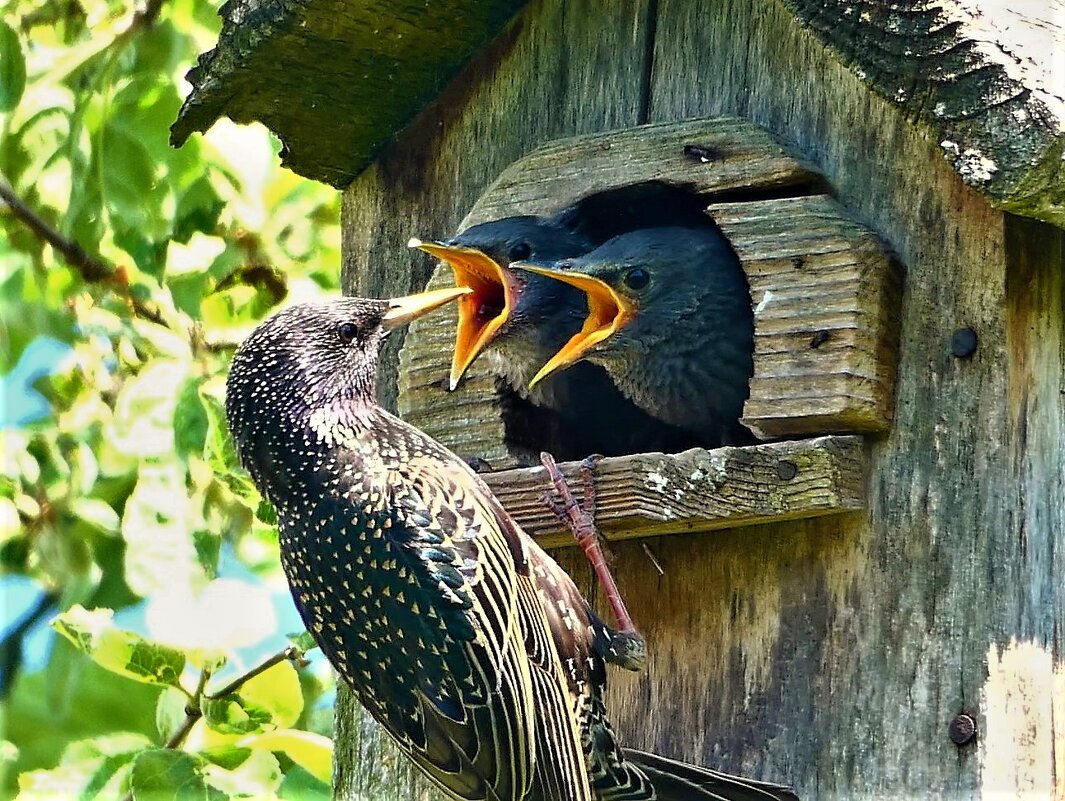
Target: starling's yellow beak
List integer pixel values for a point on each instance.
(403, 310)
(608, 312)
(483, 309)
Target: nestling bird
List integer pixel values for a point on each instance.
(669, 317)
(518, 320)
(469, 644)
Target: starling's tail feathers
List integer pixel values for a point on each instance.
(678, 781)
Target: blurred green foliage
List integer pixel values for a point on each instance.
(128, 489)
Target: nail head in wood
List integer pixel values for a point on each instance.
(963, 343)
(962, 729)
(703, 155)
(786, 470)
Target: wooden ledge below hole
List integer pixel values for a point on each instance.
(649, 494)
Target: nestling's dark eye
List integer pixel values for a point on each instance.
(637, 278)
(520, 252)
(347, 332)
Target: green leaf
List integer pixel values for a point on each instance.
(258, 776)
(122, 652)
(190, 420)
(299, 785)
(12, 68)
(163, 774)
(228, 716)
(304, 641)
(96, 513)
(277, 691)
(312, 752)
(170, 711)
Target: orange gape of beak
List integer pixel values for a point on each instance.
(608, 312)
(483, 309)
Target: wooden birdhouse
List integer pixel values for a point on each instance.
(870, 602)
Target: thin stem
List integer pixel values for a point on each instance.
(290, 654)
(90, 268)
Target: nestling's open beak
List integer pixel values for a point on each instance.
(403, 310)
(608, 312)
(487, 305)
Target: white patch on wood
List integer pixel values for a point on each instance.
(766, 297)
(657, 482)
(1022, 739)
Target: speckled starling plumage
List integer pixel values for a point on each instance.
(457, 633)
(669, 317)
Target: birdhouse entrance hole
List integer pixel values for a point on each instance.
(824, 292)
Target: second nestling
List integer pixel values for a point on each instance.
(519, 320)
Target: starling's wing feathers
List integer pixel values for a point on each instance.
(480, 724)
(561, 772)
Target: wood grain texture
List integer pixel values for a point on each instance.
(651, 494)
(983, 76)
(712, 157)
(375, 66)
(886, 637)
(826, 296)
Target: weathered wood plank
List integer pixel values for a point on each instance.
(825, 293)
(836, 651)
(375, 65)
(985, 77)
(711, 157)
(651, 494)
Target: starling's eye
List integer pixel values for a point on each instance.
(637, 278)
(520, 252)
(346, 332)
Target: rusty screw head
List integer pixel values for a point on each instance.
(786, 470)
(963, 343)
(962, 729)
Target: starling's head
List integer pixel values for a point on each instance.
(314, 355)
(642, 287)
(504, 304)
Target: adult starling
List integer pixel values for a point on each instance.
(669, 317)
(469, 644)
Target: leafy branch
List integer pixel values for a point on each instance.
(194, 708)
(90, 268)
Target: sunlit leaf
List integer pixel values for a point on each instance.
(170, 711)
(310, 751)
(144, 410)
(228, 716)
(122, 652)
(224, 615)
(12, 68)
(160, 554)
(276, 690)
(257, 776)
(96, 513)
(165, 775)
